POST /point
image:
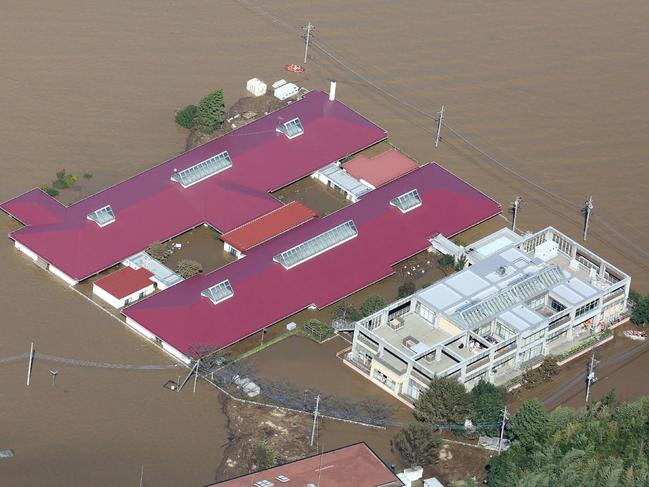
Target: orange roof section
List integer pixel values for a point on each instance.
(351, 466)
(268, 226)
(381, 169)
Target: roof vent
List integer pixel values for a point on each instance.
(219, 292)
(408, 201)
(202, 170)
(103, 216)
(501, 271)
(292, 128)
(282, 478)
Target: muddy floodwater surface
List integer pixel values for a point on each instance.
(556, 91)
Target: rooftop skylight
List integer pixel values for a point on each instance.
(291, 129)
(408, 201)
(203, 169)
(317, 245)
(102, 216)
(517, 293)
(219, 292)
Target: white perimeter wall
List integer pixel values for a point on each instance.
(166, 347)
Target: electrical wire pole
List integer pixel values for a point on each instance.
(315, 418)
(502, 430)
(440, 121)
(29, 365)
(588, 208)
(515, 205)
(308, 28)
(590, 375)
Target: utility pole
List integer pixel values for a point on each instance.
(502, 430)
(588, 208)
(590, 375)
(440, 121)
(263, 332)
(308, 28)
(315, 418)
(515, 205)
(29, 365)
(196, 374)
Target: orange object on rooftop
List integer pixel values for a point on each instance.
(381, 169)
(268, 226)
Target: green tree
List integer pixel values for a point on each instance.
(460, 263)
(64, 180)
(371, 305)
(345, 311)
(446, 401)
(406, 289)
(211, 112)
(530, 424)
(640, 314)
(417, 444)
(489, 402)
(185, 117)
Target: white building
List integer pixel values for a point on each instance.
(520, 299)
(124, 286)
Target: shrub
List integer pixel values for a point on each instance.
(51, 191)
(87, 175)
(211, 112)
(317, 329)
(417, 444)
(185, 117)
(159, 251)
(188, 268)
(406, 289)
(371, 305)
(64, 180)
(264, 455)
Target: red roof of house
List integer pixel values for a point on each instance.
(352, 466)
(268, 226)
(264, 292)
(380, 169)
(125, 281)
(151, 207)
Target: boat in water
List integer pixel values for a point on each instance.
(635, 335)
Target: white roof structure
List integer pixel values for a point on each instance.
(203, 170)
(286, 91)
(501, 283)
(161, 272)
(103, 216)
(219, 292)
(346, 181)
(317, 245)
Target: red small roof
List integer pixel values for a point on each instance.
(380, 169)
(268, 226)
(125, 282)
(352, 466)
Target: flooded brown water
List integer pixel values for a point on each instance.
(555, 89)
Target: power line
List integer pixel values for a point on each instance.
(328, 52)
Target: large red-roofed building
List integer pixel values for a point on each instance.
(351, 466)
(152, 207)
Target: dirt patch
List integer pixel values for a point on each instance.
(242, 112)
(459, 463)
(285, 432)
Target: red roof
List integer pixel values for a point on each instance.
(268, 226)
(264, 292)
(352, 466)
(125, 282)
(380, 169)
(151, 207)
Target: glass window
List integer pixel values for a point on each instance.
(407, 201)
(291, 129)
(203, 169)
(102, 216)
(219, 292)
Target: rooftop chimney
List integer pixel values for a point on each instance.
(332, 90)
